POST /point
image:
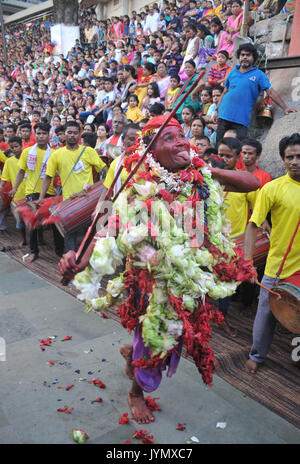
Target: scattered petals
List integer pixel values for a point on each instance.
(104, 316)
(98, 383)
(69, 387)
(124, 419)
(66, 338)
(51, 363)
(151, 403)
(147, 440)
(181, 427)
(65, 409)
(80, 436)
(97, 400)
(127, 442)
(140, 434)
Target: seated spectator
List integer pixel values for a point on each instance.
(187, 116)
(172, 92)
(197, 130)
(219, 71)
(153, 96)
(133, 113)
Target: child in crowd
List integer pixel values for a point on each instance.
(205, 100)
(172, 92)
(219, 71)
(133, 113)
(152, 97)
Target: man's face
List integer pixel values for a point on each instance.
(42, 137)
(172, 149)
(248, 155)
(9, 132)
(229, 156)
(292, 161)
(108, 86)
(72, 135)
(16, 148)
(246, 59)
(129, 138)
(25, 132)
(118, 124)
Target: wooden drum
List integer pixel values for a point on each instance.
(262, 246)
(287, 308)
(75, 212)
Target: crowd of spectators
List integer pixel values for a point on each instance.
(137, 66)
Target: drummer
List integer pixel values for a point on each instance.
(280, 197)
(32, 163)
(237, 209)
(9, 174)
(74, 164)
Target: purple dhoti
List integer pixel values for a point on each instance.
(149, 379)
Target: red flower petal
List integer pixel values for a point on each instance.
(124, 419)
(98, 383)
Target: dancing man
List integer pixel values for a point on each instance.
(171, 268)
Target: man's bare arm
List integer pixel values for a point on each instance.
(236, 181)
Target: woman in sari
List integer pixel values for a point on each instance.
(126, 82)
(162, 79)
(232, 28)
(193, 98)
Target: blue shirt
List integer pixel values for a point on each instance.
(243, 90)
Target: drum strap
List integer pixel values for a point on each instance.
(287, 252)
(80, 154)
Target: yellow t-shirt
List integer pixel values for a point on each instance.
(237, 210)
(3, 157)
(111, 173)
(9, 174)
(282, 198)
(33, 182)
(134, 114)
(63, 160)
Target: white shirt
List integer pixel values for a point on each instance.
(152, 22)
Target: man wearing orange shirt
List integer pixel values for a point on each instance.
(28, 136)
(251, 151)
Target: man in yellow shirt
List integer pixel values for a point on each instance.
(3, 214)
(280, 197)
(33, 163)
(237, 208)
(9, 174)
(74, 164)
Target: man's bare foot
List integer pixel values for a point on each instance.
(126, 352)
(32, 257)
(251, 366)
(229, 330)
(139, 410)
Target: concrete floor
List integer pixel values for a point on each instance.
(32, 390)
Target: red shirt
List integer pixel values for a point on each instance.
(263, 176)
(31, 141)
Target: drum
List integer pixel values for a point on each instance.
(75, 212)
(262, 246)
(5, 198)
(35, 216)
(287, 308)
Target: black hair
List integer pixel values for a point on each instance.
(248, 47)
(175, 76)
(89, 124)
(60, 128)
(12, 126)
(233, 144)
(253, 143)
(150, 67)
(216, 20)
(288, 141)
(192, 62)
(42, 126)
(157, 109)
(200, 119)
(156, 92)
(15, 139)
(73, 124)
(89, 139)
(105, 127)
(217, 87)
(135, 97)
(190, 108)
(131, 125)
(203, 29)
(225, 53)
